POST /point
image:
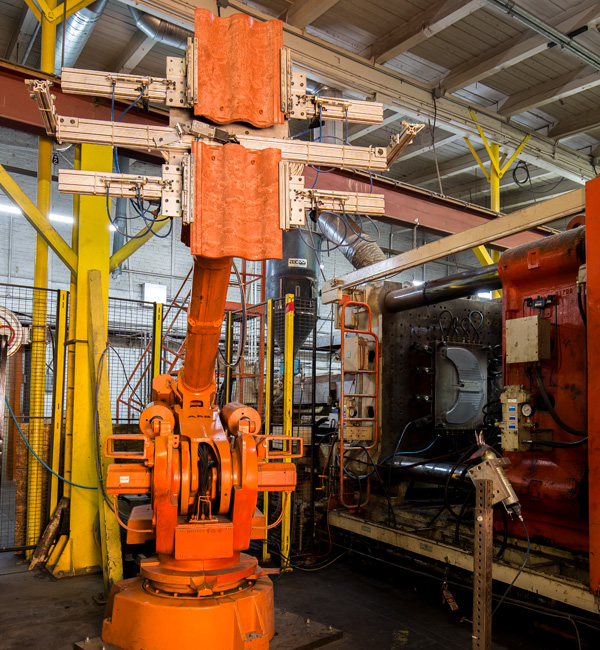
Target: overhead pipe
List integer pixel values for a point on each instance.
(547, 31)
(460, 285)
(160, 30)
(76, 32)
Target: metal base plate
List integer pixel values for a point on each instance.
(293, 632)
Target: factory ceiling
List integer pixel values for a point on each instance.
(531, 68)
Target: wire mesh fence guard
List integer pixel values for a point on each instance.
(30, 381)
(249, 386)
(130, 335)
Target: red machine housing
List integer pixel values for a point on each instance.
(551, 483)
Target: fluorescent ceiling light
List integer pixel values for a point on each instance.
(9, 209)
(61, 218)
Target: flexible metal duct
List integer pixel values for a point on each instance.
(356, 247)
(76, 32)
(161, 30)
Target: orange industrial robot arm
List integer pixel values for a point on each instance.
(203, 467)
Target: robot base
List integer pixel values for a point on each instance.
(237, 621)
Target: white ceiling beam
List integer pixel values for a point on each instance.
(394, 117)
(133, 53)
(447, 169)
(424, 25)
(472, 190)
(519, 48)
(523, 199)
(414, 150)
(347, 70)
(304, 12)
(22, 34)
(550, 91)
(574, 125)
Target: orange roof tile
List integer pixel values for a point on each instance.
(236, 198)
(239, 69)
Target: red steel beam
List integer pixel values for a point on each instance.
(19, 111)
(406, 206)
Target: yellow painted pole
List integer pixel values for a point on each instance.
(288, 408)
(38, 325)
(268, 389)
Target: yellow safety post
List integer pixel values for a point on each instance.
(38, 324)
(157, 339)
(288, 408)
(110, 538)
(58, 399)
(268, 389)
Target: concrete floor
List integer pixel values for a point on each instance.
(376, 606)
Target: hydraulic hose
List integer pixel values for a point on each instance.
(551, 409)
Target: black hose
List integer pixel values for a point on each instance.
(581, 309)
(558, 444)
(551, 410)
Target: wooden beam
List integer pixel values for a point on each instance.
(535, 215)
(424, 25)
(304, 12)
(361, 133)
(568, 84)
(519, 48)
(574, 125)
(132, 54)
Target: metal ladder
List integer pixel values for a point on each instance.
(358, 396)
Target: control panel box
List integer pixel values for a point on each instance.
(527, 339)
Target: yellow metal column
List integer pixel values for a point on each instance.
(288, 408)
(38, 325)
(268, 389)
(82, 554)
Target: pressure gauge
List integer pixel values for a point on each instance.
(527, 410)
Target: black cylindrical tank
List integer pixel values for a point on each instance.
(297, 273)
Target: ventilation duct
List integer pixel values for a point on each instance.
(355, 246)
(76, 32)
(161, 30)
